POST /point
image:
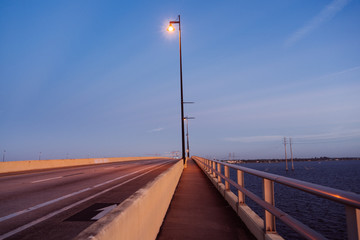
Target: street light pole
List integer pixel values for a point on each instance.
(171, 28)
(187, 135)
(187, 138)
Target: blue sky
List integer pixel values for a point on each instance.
(101, 78)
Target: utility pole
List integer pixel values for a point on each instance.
(286, 164)
(4, 155)
(292, 161)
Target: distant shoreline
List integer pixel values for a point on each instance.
(289, 160)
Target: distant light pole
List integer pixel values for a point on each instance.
(286, 167)
(4, 155)
(39, 155)
(171, 29)
(187, 135)
(292, 161)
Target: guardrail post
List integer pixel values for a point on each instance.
(352, 222)
(268, 190)
(219, 170)
(213, 169)
(227, 174)
(240, 181)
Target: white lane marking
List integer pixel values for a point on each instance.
(19, 229)
(67, 196)
(63, 197)
(103, 212)
(47, 179)
(41, 205)
(53, 178)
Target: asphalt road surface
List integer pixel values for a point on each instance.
(60, 203)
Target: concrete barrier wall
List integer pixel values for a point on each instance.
(252, 221)
(140, 216)
(18, 166)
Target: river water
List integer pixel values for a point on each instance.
(324, 216)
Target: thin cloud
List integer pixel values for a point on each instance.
(329, 136)
(155, 130)
(301, 99)
(233, 104)
(313, 138)
(254, 139)
(344, 71)
(325, 15)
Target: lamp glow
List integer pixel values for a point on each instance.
(170, 28)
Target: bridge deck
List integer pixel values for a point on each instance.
(198, 211)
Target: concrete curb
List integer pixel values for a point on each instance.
(141, 215)
(18, 166)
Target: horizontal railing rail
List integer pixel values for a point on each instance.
(350, 200)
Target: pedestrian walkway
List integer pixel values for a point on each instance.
(198, 211)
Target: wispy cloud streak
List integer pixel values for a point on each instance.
(299, 138)
(328, 136)
(254, 139)
(156, 130)
(325, 15)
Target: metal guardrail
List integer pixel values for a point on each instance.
(350, 200)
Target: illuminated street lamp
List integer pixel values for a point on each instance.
(171, 28)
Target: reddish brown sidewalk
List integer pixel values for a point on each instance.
(198, 211)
